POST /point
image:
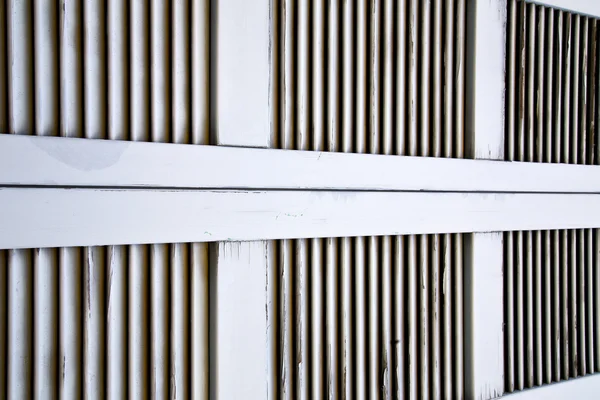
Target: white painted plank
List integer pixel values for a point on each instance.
(484, 122)
(238, 321)
(484, 336)
(241, 63)
(580, 389)
(589, 7)
(82, 217)
(81, 162)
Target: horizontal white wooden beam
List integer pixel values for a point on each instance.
(581, 389)
(589, 7)
(44, 217)
(45, 161)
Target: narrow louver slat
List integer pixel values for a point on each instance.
(551, 82)
(370, 344)
(561, 343)
(378, 84)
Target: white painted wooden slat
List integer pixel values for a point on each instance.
(484, 123)
(238, 328)
(47, 161)
(241, 65)
(484, 316)
(79, 217)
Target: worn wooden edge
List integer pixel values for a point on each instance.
(58, 162)
(40, 217)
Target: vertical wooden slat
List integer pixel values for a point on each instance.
(333, 77)
(402, 32)
(287, 320)
(374, 306)
(159, 319)
(139, 46)
(413, 342)
(117, 23)
(317, 306)
(138, 329)
(566, 61)
(529, 333)
(199, 312)
(413, 57)
(19, 362)
(547, 305)
(447, 292)
(573, 309)
(318, 75)
(520, 310)
(302, 293)
(19, 38)
(540, 93)
(575, 100)
(363, 109)
(389, 54)
(537, 306)
(521, 127)
(437, 139)
(180, 317)
(448, 79)
(273, 374)
(360, 322)
(459, 71)
(549, 98)
(558, 88)
(160, 88)
(200, 79)
(425, 81)
(583, 120)
(511, 106)
(509, 312)
(530, 81)
(556, 307)
(116, 324)
(45, 324)
(564, 315)
(288, 85)
(180, 71)
(303, 29)
(94, 62)
(70, 323)
(400, 332)
(347, 356)
(94, 274)
(424, 311)
(589, 285)
(387, 318)
(332, 320)
(436, 311)
(375, 77)
(459, 345)
(581, 293)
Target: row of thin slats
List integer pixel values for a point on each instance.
(125, 70)
(381, 77)
(104, 322)
(552, 306)
(552, 85)
(366, 317)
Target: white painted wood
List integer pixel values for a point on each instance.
(82, 217)
(484, 120)
(580, 389)
(45, 161)
(484, 336)
(238, 335)
(241, 69)
(589, 7)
